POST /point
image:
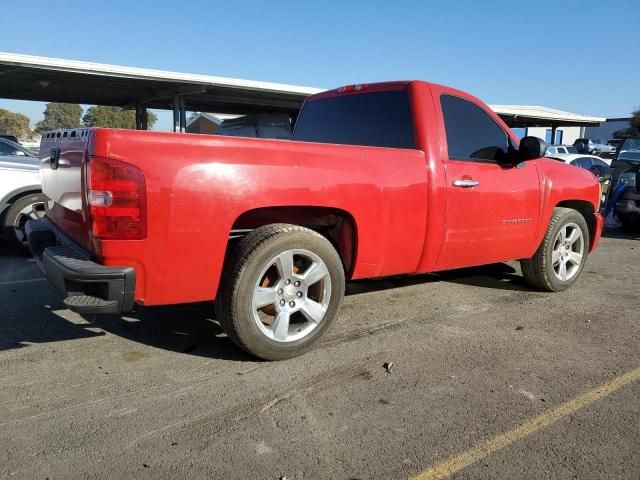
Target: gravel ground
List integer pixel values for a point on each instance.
(162, 393)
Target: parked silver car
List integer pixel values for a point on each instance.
(20, 191)
(594, 146)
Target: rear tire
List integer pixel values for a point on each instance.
(29, 207)
(281, 290)
(559, 260)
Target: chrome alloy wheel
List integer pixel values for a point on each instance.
(568, 252)
(292, 295)
(33, 211)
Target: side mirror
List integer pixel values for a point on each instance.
(532, 147)
(19, 153)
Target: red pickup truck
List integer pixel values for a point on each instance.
(380, 179)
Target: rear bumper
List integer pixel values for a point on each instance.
(87, 287)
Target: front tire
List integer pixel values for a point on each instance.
(559, 260)
(281, 290)
(28, 207)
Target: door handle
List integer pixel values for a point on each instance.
(465, 183)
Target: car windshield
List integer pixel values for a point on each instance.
(629, 150)
(631, 144)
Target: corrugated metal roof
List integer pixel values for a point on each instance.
(544, 113)
(76, 66)
(28, 77)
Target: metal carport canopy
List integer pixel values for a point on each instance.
(26, 77)
(536, 116)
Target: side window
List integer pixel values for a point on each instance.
(582, 162)
(471, 133)
(6, 149)
(585, 162)
(599, 163)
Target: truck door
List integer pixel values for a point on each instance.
(492, 209)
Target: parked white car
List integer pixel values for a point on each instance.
(555, 149)
(573, 159)
(20, 191)
(596, 165)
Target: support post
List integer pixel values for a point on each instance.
(176, 113)
(553, 134)
(183, 115)
(142, 117)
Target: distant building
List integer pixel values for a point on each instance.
(555, 127)
(564, 135)
(606, 130)
(206, 123)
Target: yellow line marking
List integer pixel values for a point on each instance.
(455, 463)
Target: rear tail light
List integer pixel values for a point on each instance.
(116, 196)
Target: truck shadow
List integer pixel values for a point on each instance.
(32, 313)
(499, 276)
(192, 329)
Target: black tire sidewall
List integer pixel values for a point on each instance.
(250, 334)
(567, 217)
(11, 215)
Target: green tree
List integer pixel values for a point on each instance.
(59, 115)
(635, 123)
(14, 124)
(634, 129)
(114, 117)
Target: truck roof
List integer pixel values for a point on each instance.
(385, 87)
(362, 88)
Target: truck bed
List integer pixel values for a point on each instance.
(199, 188)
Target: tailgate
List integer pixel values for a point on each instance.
(62, 154)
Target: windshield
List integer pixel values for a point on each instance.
(631, 144)
(629, 150)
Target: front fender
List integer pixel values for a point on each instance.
(566, 185)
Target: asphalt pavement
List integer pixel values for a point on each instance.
(489, 379)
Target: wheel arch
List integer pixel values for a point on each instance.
(587, 210)
(336, 225)
(14, 195)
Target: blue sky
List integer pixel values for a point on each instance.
(579, 56)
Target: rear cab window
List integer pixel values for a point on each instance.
(374, 119)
